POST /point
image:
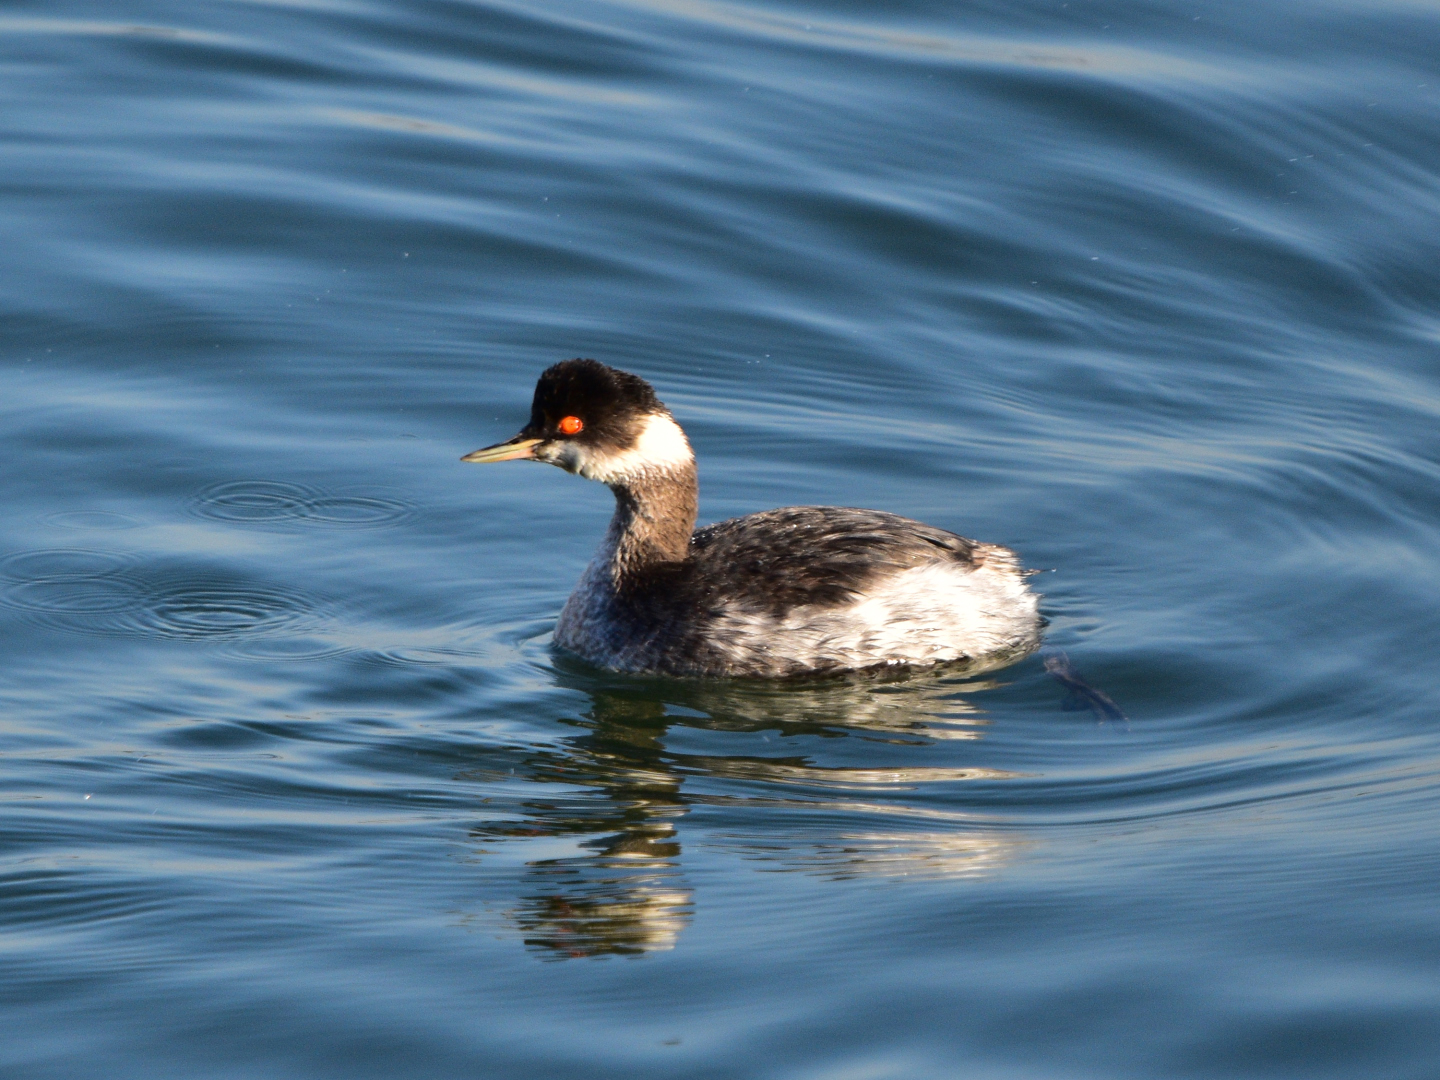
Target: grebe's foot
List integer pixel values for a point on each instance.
(1082, 694)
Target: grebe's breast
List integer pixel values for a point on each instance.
(806, 589)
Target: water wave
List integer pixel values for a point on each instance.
(271, 502)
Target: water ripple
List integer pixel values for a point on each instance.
(252, 501)
(62, 564)
(201, 607)
(273, 502)
(110, 594)
(90, 519)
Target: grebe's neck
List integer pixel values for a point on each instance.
(656, 497)
(654, 518)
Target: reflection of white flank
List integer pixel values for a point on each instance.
(899, 854)
(637, 915)
(925, 855)
(866, 779)
(647, 919)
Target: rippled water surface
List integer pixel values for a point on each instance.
(293, 784)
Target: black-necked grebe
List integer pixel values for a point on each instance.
(799, 591)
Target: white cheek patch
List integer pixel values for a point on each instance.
(568, 456)
(660, 447)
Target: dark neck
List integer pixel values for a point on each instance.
(654, 517)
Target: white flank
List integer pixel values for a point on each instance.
(924, 615)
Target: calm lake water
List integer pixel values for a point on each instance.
(291, 781)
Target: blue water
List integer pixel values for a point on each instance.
(291, 782)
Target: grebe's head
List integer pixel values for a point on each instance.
(597, 421)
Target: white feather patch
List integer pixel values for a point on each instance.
(661, 446)
(924, 615)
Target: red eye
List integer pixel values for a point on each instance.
(571, 425)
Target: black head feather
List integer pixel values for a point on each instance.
(609, 402)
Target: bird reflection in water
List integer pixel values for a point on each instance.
(602, 872)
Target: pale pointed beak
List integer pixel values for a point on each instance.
(517, 449)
